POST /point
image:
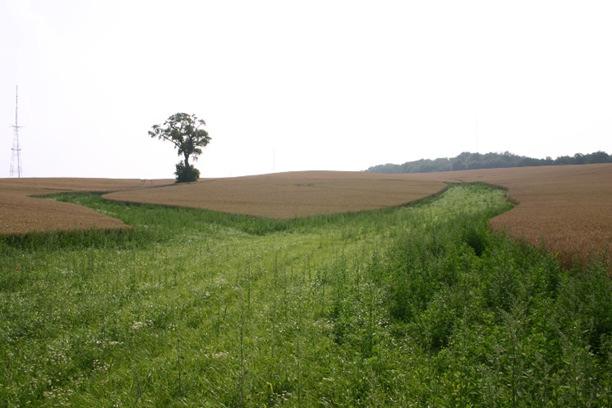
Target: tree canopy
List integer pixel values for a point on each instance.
(186, 133)
(469, 161)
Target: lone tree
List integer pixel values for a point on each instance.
(184, 132)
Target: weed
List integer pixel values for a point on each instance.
(414, 306)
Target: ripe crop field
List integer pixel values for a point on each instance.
(290, 195)
(20, 213)
(568, 209)
(415, 306)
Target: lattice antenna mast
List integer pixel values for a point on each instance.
(16, 149)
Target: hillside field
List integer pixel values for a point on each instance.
(567, 209)
(291, 195)
(410, 306)
(21, 212)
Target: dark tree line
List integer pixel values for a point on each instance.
(469, 161)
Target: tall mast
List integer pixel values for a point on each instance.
(16, 149)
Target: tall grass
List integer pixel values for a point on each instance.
(413, 306)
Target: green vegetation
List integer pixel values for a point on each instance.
(184, 132)
(414, 306)
(470, 161)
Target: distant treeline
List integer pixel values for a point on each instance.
(469, 161)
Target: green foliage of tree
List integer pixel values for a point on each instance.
(186, 174)
(471, 161)
(185, 132)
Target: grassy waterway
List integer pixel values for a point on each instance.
(414, 306)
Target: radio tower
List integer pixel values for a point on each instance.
(16, 149)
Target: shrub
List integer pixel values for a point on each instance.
(186, 174)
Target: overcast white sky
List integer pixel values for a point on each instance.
(299, 85)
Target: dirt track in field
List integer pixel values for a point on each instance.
(289, 195)
(21, 213)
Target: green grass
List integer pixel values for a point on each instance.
(414, 306)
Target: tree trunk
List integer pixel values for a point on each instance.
(186, 161)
